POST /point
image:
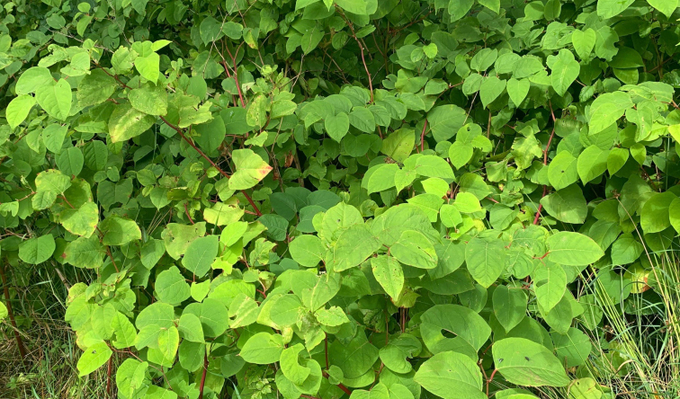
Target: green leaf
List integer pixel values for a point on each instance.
(87, 253)
(171, 287)
(262, 348)
(414, 249)
(563, 171)
(616, 158)
(250, 169)
(149, 99)
(93, 358)
(564, 70)
(379, 177)
(210, 30)
(527, 363)
(18, 109)
(200, 255)
(666, 7)
(491, 89)
(337, 126)
(354, 6)
(32, 79)
(550, 284)
(610, 8)
(3, 311)
(573, 249)
(353, 246)
(509, 306)
(291, 367)
(126, 122)
(607, 109)
(307, 250)
(518, 90)
(37, 250)
(149, 66)
(82, 221)
(70, 162)
(389, 274)
(485, 259)
(567, 205)
(592, 163)
(55, 98)
(654, 215)
(584, 42)
(469, 329)
(399, 144)
(119, 231)
(95, 88)
(451, 375)
(53, 136)
(458, 9)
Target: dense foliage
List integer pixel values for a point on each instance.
(368, 198)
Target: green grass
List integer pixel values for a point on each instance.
(49, 370)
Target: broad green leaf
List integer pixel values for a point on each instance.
(509, 306)
(37, 250)
(53, 136)
(527, 363)
(399, 144)
(93, 358)
(564, 70)
(148, 66)
(591, 163)
(518, 90)
(291, 367)
(82, 221)
(574, 346)
(584, 42)
(491, 89)
(654, 215)
(562, 171)
(610, 8)
(307, 250)
(95, 88)
(55, 98)
(352, 247)
(469, 328)
(149, 99)
(485, 259)
(567, 205)
(200, 254)
(389, 274)
(573, 249)
(32, 79)
(87, 253)
(262, 348)
(666, 7)
(171, 287)
(414, 249)
(550, 283)
(70, 162)
(337, 126)
(119, 231)
(126, 122)
(451, 375)
(250, 169)
(380, 177)
(17, 109)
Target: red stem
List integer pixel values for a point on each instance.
(422, 137)
(205, 372)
